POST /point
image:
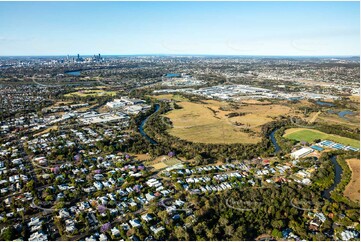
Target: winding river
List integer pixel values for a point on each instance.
(337, 168)
(336, 180)
(274, 141)
(141, 126)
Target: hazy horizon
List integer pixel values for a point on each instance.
(180, 28)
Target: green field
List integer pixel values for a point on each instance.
(96, 93)
(309, 135)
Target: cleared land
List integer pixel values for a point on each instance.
(314, 117)
(142, 157)
(85, 93)
(309, 135)
(54, 127)
(209, 122)
(174, 97)
(352, 189)
(163, 162)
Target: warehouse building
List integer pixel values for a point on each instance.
(301, 152)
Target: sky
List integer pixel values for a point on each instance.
(199, 28)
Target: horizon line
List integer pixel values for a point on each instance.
(234, 55)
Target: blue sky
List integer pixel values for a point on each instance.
(228, 28)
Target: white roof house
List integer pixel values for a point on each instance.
(301, 152)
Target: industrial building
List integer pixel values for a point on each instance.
(301, 152)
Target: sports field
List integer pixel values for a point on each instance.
(352, 189)
(163, 162)
(309, 135)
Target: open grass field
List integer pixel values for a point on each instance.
(95, 92)
(254, 101)
(353, 121)
(93, 87)
(196, 123)
(172, 161)
(313, 117)
(352, 190)
(54, 127)
(175, 97)
(208, 122)
(355, 99)
(84, 109)
(162, 162)
(309, 135)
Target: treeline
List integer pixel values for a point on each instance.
(285, 144)
(337, 193)
(324, 177)
(236, 114)
(339, 130)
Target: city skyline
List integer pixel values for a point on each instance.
(180, 28)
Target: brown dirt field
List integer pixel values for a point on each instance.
(352, 189)
(159, 166)
(253, 101)
(142, 157)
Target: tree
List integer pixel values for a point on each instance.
(8, 234)
(49, 198)
(276, 233)
(30, 185)
(163, 215)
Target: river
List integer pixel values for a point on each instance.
(337, 179)
(343, 113)
(274, 141)
(325, 104)
(141, 126)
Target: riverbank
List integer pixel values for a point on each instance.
(142, 124)
(337, 179)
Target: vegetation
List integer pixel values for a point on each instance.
(156, 128)
(352, 190)
(337, 194)
(197, 123)
(309, 135)
(95, 93)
